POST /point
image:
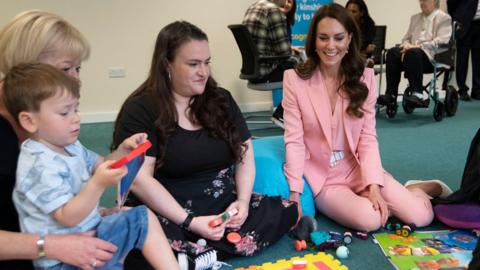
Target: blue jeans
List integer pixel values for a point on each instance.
(127, 230)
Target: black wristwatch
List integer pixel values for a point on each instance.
(186, 223)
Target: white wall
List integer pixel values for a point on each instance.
(122, 34)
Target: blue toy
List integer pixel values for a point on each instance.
(319, 237)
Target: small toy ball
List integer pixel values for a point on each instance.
(300, 245)
(201, 242)
(342, 252)
(347, 238)
(299, 264)
(233, 237)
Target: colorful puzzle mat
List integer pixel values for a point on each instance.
(429, 250)
(319, 261)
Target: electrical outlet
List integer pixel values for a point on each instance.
(116, 72)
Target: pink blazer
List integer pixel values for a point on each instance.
(308, 132)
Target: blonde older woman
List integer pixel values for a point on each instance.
(38, 36)
(428, 30)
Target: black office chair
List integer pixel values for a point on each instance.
(379, 53)
(251, 61)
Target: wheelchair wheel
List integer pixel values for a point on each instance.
(451, 101)
(391, 110)
(408, 109)
(439, 111)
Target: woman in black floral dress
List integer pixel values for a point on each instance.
(201, 162)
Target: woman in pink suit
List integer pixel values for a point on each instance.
(330, 133)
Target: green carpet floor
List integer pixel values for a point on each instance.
(412, 147)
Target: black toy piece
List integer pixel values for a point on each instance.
(393, 225)
(400, 228)
(305, 226)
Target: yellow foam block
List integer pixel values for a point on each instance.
(319, 261)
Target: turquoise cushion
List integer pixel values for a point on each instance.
(270, 179)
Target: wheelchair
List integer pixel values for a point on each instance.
(443, 63)
(449, 104)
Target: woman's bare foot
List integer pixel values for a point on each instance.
(432, 189)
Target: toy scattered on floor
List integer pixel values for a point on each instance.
(401, 229)
(406, 230)
(319, 237)
(319, 261)
(361, 235)
(347, 238)
(300, 245)
(202, 242)
(233, 237)
(299, 264)
(342, 252)
(224, 217)
(393, 224)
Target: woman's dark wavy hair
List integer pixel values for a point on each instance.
(362, 6)
(291, 14)
(210, 109)
(352, 65)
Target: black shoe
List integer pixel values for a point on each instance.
(463, 95)
(386, 100)
(277, 117)
(305, 226)
(416, 102)
(475, 95)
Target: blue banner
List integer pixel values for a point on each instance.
(303, 16)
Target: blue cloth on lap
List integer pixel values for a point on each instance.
(270, 178)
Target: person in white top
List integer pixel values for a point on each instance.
(428, 30)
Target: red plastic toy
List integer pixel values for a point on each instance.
(139, 150)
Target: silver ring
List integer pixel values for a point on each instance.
(94, 263)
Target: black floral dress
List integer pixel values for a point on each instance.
(199, 173)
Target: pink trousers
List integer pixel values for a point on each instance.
(338, 201)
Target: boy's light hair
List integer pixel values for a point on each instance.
(26, 86)
(34, 33)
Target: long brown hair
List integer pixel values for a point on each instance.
(352, 65)
(209, 109)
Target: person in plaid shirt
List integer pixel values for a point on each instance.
(267, 23)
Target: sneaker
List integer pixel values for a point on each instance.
(463, 95)
(203, 261)
(207, 260)
(277, 117)
(446, 190)
(416, 101)
(386, 100)
(182, 259)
